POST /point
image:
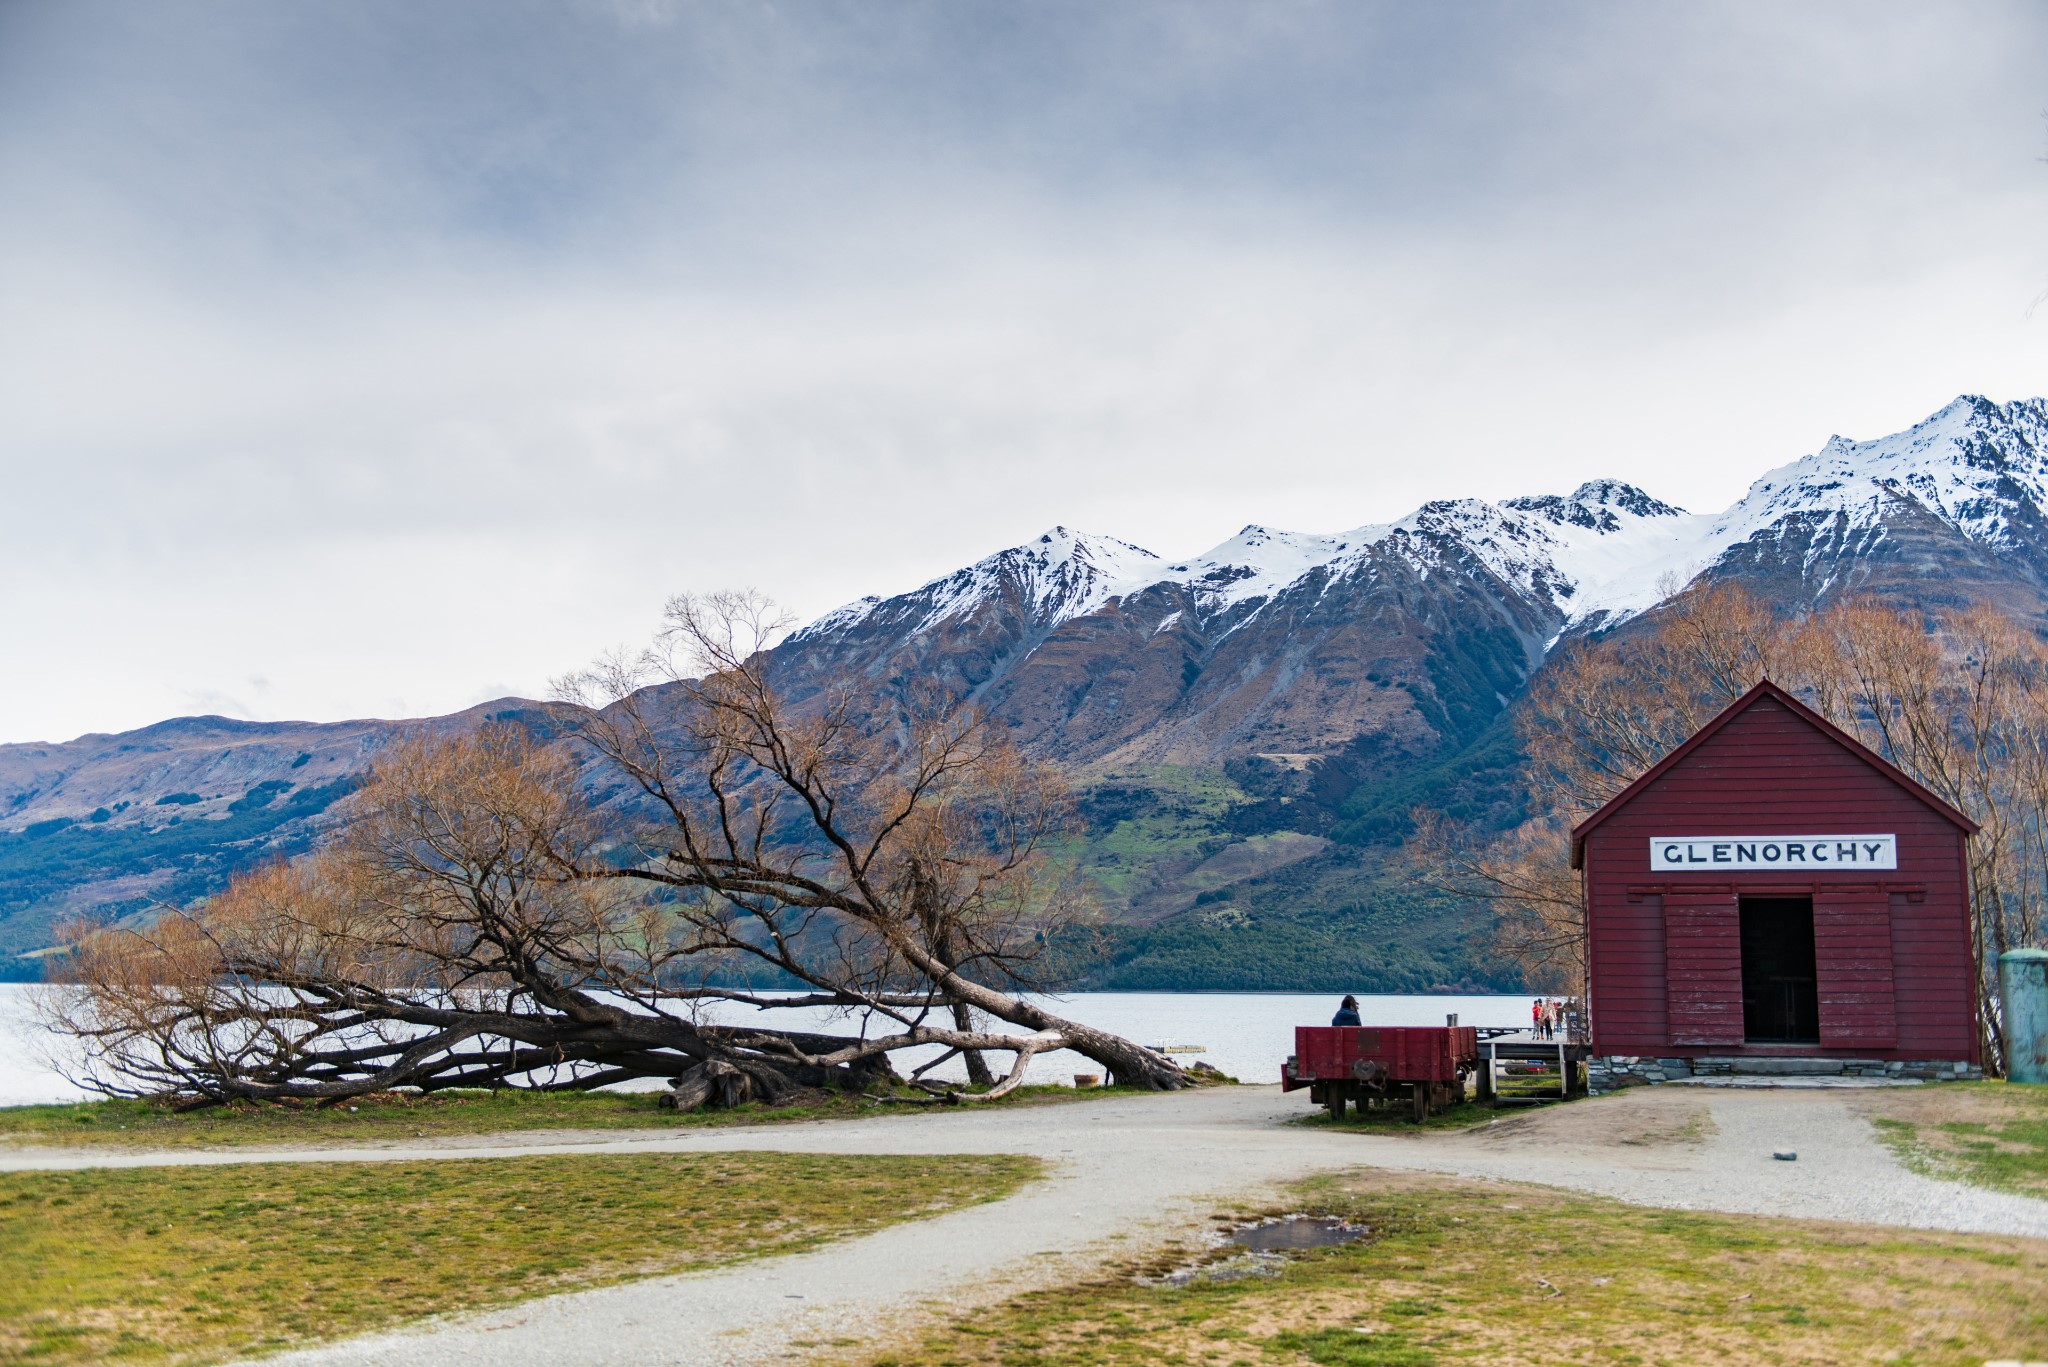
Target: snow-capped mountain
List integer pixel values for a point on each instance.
(1547, 547)
(1062, 574)
(1977, 470)
(1414, 631)
(1336, 657)
(1396, 634)
(1272, 641)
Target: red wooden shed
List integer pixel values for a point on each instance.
(1773, 896)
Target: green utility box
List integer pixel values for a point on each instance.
(2023, 990)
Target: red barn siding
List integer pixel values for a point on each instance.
(1703, 979)
(1892, 948)
(1852, 942)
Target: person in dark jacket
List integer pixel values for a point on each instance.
(1347, 1013)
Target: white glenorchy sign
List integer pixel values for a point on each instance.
(1811, 853)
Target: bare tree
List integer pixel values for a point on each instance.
(892, 854)
(1601, 712)
(1960, 702)
(498, 910)
(1524, 877)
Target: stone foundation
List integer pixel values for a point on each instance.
(1615, 1072)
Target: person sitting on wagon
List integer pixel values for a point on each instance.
(1347, 1013)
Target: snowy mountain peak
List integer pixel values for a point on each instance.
(1975, 465)
(1067, 573)
(1972, 465)
(1260, 561)
(1623, 497)
(1597, 505)
(1062, 574)
(1059, 575)
(1063, 546)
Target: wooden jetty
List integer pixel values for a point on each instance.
(1566, 1056)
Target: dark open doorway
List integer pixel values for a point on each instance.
(1780, 1001)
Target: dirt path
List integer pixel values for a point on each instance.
(1689, 1148)
(1133, 1172)
(1124, 1174)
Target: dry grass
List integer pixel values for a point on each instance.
(194, 1264)
(1467, 1272)
(1993, 1134)
(392, 1117)
(1640, 1117)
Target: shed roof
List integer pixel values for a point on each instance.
(1764, 689)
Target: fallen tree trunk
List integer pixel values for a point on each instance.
(243, 1040)
(478, 922)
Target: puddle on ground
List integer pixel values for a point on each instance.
(1263, 1249)
(1295, 1233)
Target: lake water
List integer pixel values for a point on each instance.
(1246, 1034)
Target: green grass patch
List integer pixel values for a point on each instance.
(1399, 1118)
(397, 1116)
(1460, 1271)
(1991, 1134)
(194, 1264)
(1139, 816)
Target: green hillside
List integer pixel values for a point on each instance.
(44, 868)
(1254, 881)
(1246, 878)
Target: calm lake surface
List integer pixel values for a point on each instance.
(1246, 1034)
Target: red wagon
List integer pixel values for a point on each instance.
(1375, 1065)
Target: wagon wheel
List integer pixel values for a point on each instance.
(1420, 1091)
(1333, 1099)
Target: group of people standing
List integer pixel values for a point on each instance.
(1549, 1015)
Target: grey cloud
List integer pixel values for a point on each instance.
(338, 334)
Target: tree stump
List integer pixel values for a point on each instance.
(714, 1082)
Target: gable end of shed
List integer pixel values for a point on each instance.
(1764, 692)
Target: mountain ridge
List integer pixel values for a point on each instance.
(1262, 688)
(1895, 467)
(1113, 666)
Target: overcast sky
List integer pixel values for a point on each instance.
(379, 359)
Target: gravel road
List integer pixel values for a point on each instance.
(1134, 1172)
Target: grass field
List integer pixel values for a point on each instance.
(1993, 1134)
(1457, 1271)
(398, 1116)
(194, 1264)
